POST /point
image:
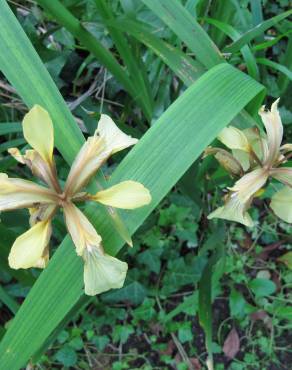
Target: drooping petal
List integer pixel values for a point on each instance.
(39, 132)
(242, 193)
(126, 195)
(233, 210)
(283, 174)
(281, 204)
(114, 138)
(249, 184)
(17, 193)
(91, 156)
(234, 138)
(226, 160)
(102, 272)
(28, 249)
(81, 230)
(273, 125)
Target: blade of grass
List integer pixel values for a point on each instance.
(184, 67)
(10, 127)
(137, 77)
(287, 61)
(276, 66)
(64, 17)
(9, 301)
(205, 301)
(255, 32)
(223, 12)
(188, 30)
(248, 56)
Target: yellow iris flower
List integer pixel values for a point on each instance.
(261, 155)
(101, 271)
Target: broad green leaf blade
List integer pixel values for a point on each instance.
(188, 29)
(184, 67)
(256, 31)
(161, 157)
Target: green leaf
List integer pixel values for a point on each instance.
(277, 66)
(9, 128)
(205, 299)
(255, 32)
(9, 301)
(66, 356)
(188, 29)
(185, 67)
(245, 50)
(134, 293)
(262, 287)
(287, 259)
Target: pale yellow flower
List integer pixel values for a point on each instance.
(261, 154)
(31, 249)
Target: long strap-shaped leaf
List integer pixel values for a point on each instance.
(172, 13)
(158, 161)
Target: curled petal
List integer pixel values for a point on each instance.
(114, 138)
(273, 125)
(29, 249)
(15, 153)
(39, 132)
(286, 148)
(233, 210)
(81, 230)
(281, 204)
(126, 195)
(234, 138)
(18, 193)
(38, 166)
(231, 164)
(283, 174)
(108, 139)
(102, 272)
(91, 156)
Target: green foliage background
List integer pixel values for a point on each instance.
(172, 73)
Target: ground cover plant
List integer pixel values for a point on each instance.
(183, 239)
